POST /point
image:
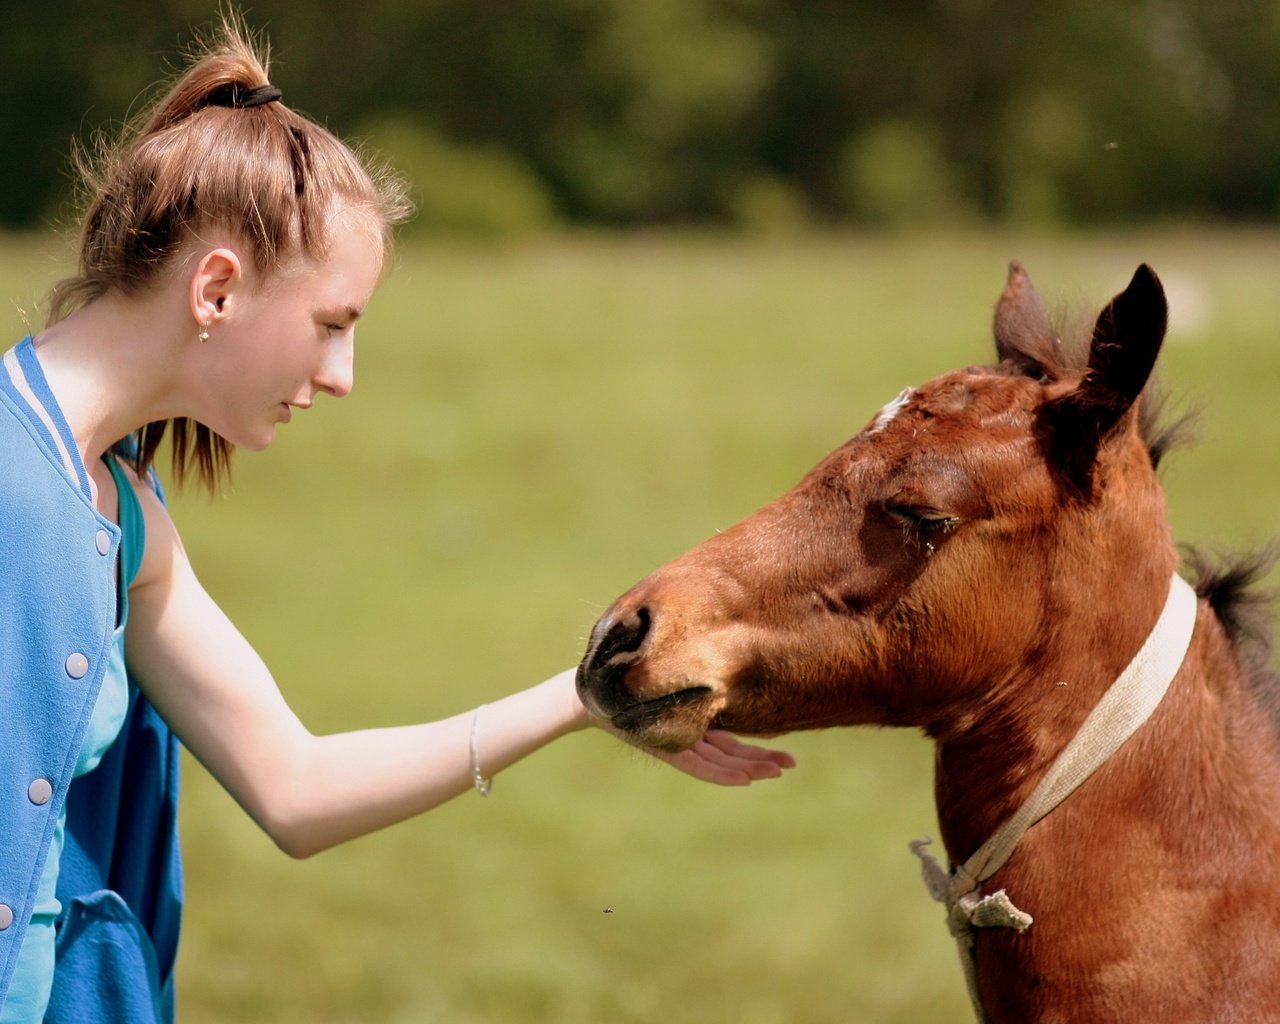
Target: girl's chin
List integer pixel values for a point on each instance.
(255, 441)
(251, 437)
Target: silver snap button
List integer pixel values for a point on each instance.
(40, 791)
(77, 665)
(103, 541)
(6, 916)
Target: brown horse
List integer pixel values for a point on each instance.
(982, 561)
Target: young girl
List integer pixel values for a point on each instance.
(229, 247)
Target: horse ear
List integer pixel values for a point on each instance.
(1023, 335)
(1126, 341)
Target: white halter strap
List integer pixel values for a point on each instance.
(1128, 703)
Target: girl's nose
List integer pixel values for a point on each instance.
(337, 373)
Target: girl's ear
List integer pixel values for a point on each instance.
(216, 276)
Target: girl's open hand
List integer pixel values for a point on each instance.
(722, 758)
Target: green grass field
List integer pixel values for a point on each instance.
(533, 428)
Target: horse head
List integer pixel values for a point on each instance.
(991, 523)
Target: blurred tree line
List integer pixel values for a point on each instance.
(511, 115)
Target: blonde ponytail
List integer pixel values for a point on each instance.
(204, 156)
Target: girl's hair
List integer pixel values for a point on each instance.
(196, 159)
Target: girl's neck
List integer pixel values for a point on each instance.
(113, 366)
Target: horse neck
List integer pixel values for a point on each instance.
(1209, 749)
(988, 764)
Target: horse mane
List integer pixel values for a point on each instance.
(1231, 583)
(1232, 586)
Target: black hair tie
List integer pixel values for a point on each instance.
(233, 95)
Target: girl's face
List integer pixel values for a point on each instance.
(282, 341)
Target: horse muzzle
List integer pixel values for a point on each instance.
(621, 679)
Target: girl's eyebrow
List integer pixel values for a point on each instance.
(347, 313)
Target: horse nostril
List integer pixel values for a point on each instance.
(623, 637)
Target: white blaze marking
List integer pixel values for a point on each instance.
(887, 414)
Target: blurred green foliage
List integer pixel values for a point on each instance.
(534, 427)
(458, 189)
(760, 113)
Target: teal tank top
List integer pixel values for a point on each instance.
(33, 975)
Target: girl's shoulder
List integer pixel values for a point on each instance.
(161, 535)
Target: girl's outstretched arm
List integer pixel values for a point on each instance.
(311, 792)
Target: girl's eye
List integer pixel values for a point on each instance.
(923, 518)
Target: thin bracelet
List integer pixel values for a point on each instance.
(483, 785)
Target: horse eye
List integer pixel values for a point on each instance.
(923, 518)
